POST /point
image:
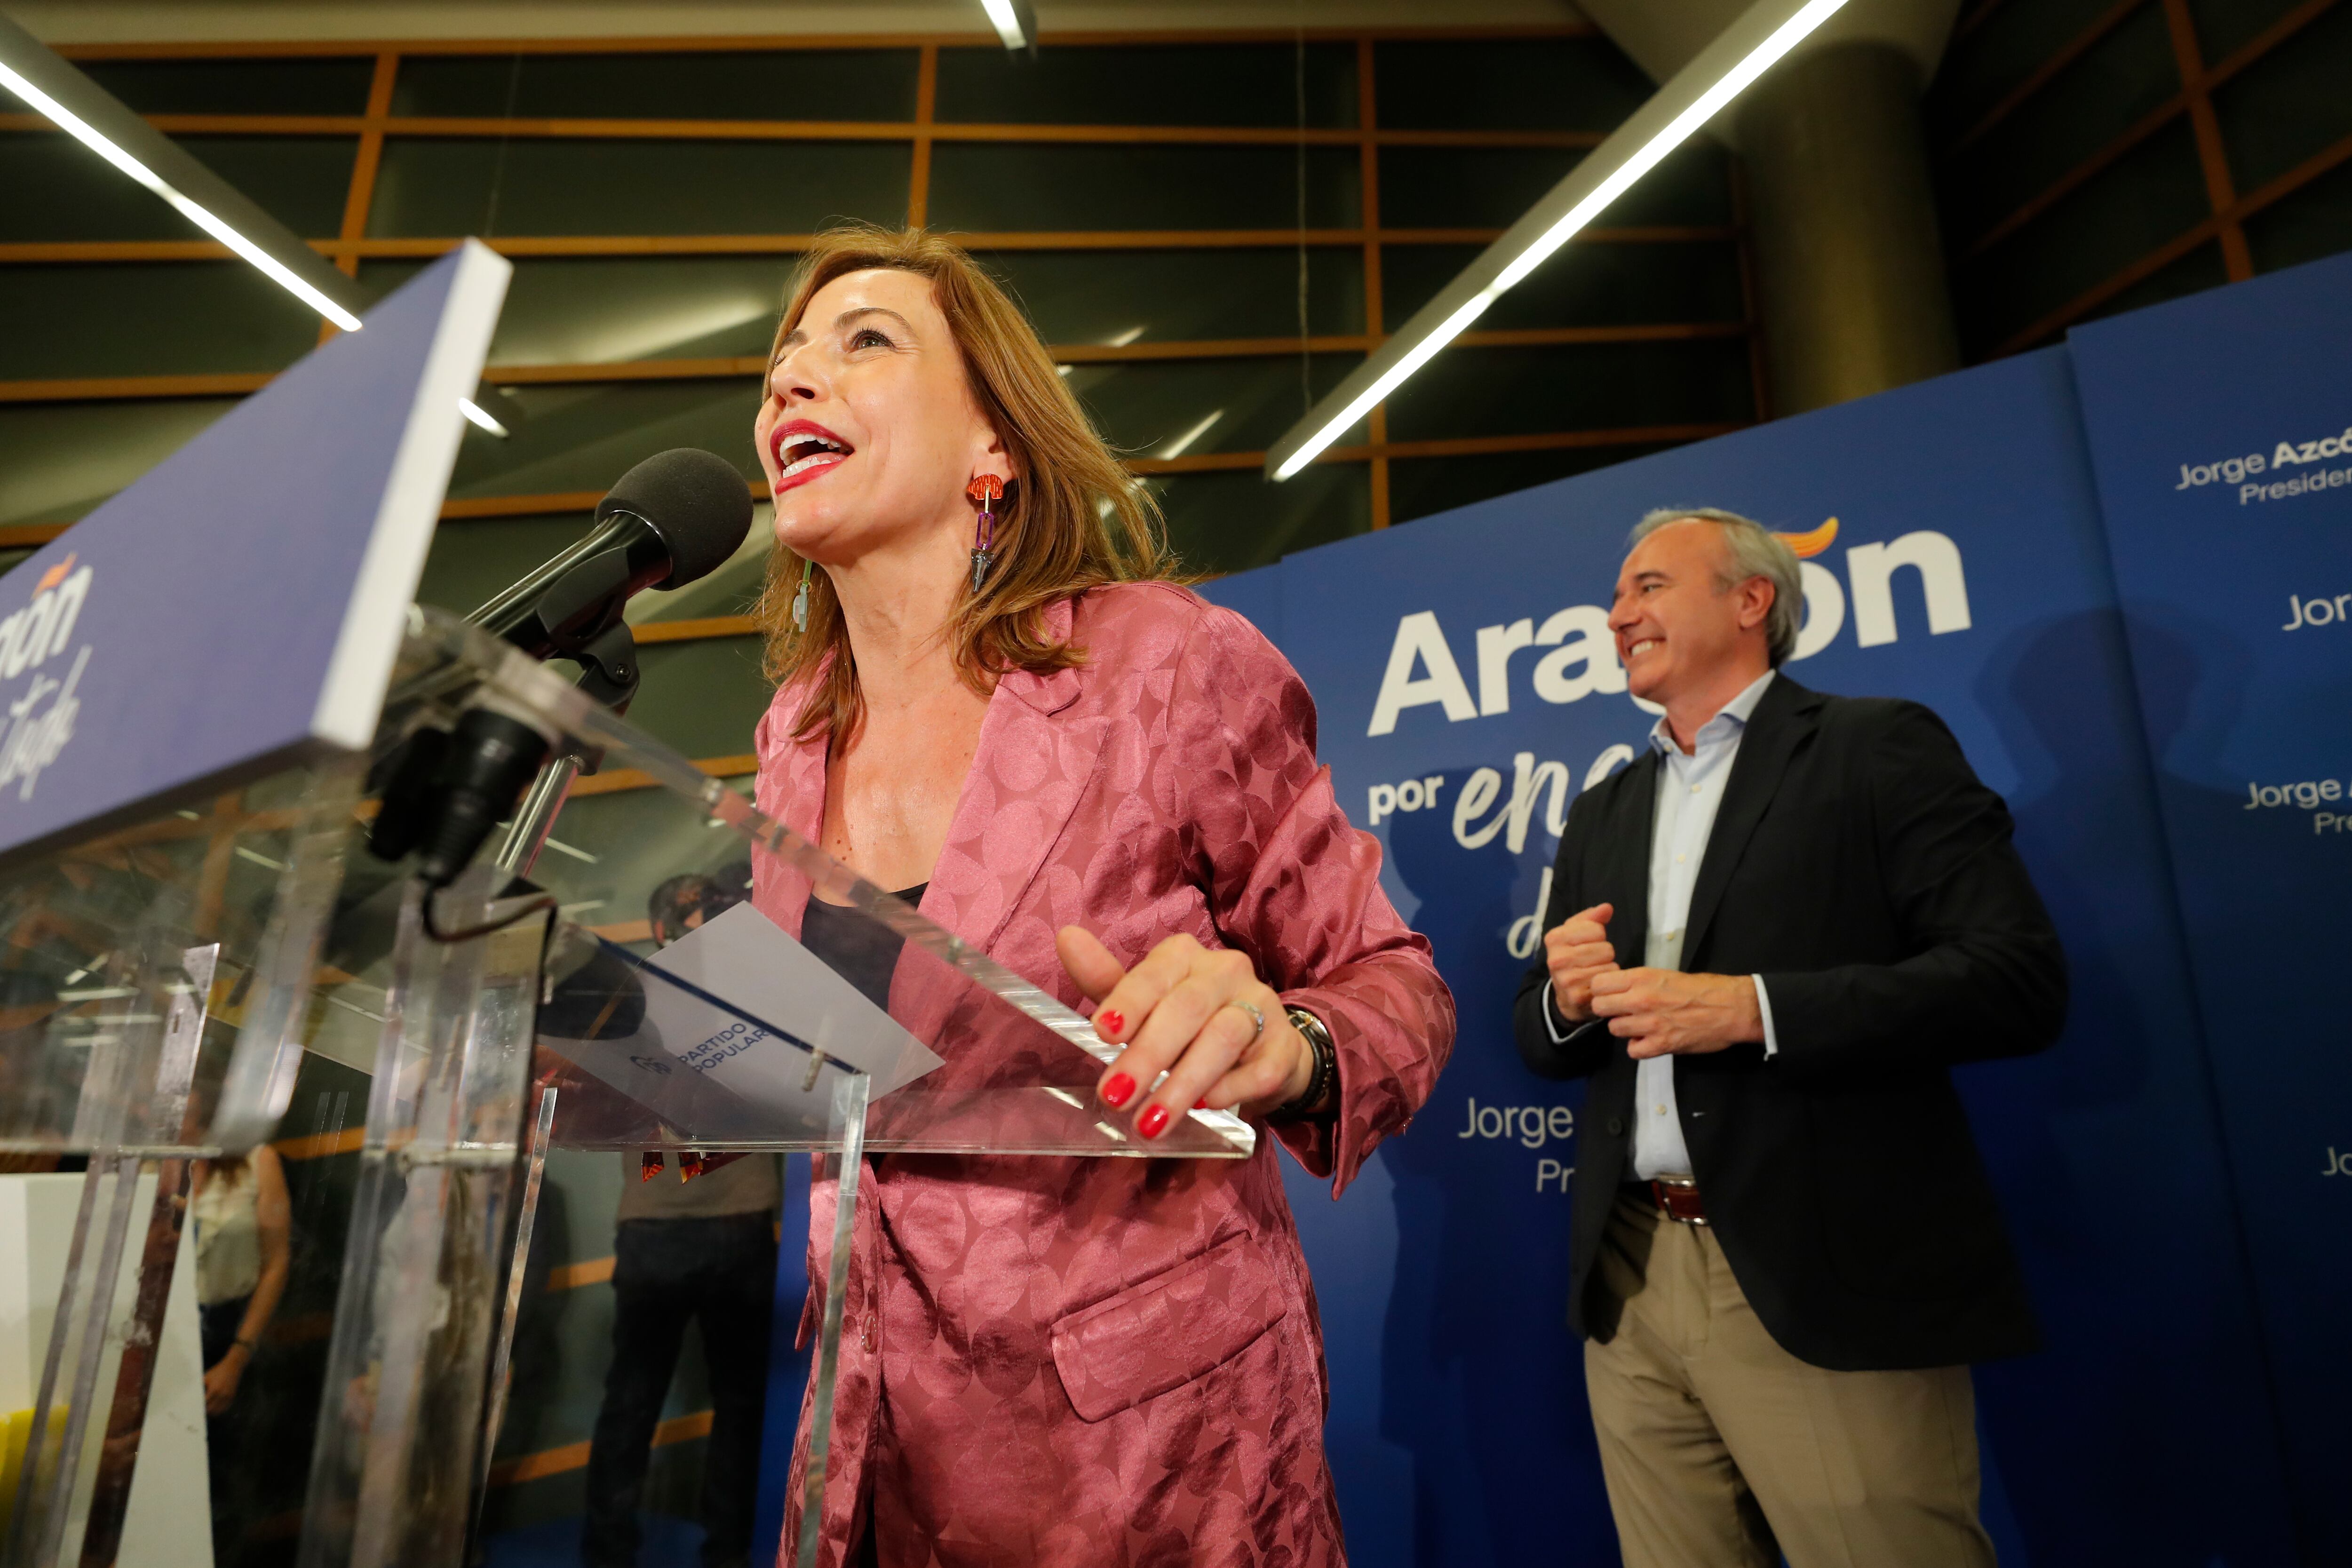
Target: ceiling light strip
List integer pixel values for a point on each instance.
(1696, 94)
(1013, 23)
(53, 88)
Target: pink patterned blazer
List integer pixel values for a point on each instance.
(1053, 1361)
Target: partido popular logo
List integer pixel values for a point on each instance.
(40, 716)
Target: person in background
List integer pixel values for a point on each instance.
(688, 1251)
(244, 1255)
(1768, 941)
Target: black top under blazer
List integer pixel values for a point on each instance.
(1858, 865)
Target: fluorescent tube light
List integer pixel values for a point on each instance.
(81, 130)
(475, 412)
(1721, 71)
(1007, 23)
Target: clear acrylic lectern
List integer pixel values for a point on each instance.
(160, 983)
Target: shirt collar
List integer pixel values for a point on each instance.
(1729, 720)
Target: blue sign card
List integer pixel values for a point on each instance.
(1468, 689)
(238, 608)
(2220, 430)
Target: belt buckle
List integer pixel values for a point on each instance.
(1663, 1191)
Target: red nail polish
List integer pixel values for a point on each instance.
(1201, 1105)
(1109, 1023)
(1154, 1118)
(1119, 1090)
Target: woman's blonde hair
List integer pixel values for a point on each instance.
(1073, 520)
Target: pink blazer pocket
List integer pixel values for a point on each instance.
(1166, 1330)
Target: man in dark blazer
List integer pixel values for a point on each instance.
(1768, 941)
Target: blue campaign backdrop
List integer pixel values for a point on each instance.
(2222, 433)
(1968, 570)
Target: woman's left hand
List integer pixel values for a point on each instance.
(1186, 1010)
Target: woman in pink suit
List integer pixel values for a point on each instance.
(1110, 786)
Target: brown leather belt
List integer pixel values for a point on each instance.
(1678, 1201)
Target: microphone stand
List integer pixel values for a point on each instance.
(610, 675)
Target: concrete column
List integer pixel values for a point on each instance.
(1849, 266)
(1850, 269)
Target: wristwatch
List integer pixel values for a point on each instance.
(1309, 1103)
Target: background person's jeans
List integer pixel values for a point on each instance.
(721, 1272)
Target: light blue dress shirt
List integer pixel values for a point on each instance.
(1690, 792)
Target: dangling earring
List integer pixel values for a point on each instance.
(800, 600)
(984, 491)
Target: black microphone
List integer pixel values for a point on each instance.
(674, 517)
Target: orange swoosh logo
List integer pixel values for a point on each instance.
(1807, 546)
(55, 574)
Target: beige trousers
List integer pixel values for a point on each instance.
(1721, 1449)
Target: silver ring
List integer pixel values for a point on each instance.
(1255, 1018)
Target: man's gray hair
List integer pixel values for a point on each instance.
(1751, 550)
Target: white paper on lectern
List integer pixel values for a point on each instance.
(744, 957)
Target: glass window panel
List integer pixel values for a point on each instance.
(434, 186)
(1158, 296)
(1583, 285)
(1174, 408)
(474, 559)
(2129, 72)
(2289, 104)
(702, 697)
(1421, 486)
(2144, 200)
(2223, 27)
(1043, 185)
(65, 458)
(604, 309)
(1580, 386)
(1151, 84)
(585, 438)
(2201, 270)
(1491, 187)
(1988, 62)
(750, 84)
(2316, 221)
(239, 87)
(1506, 84)
(148, 318)
(1223, 522)
(59, 190)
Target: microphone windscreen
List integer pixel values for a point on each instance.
(696, 501)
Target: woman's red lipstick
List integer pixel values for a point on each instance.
(811, 446)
